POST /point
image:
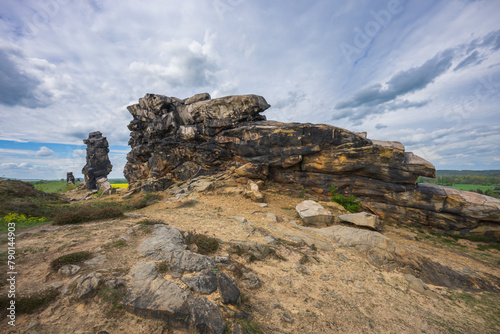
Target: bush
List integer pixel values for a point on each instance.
(76, 214)
(349, 202)
(29, 304)
(144, 201)
(206, 245)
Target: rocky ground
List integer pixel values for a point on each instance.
(291, 278)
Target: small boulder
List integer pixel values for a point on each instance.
(252, 281)
(87, 285)
(363, 219)
(314, 214)
(69, 270)
(228, 290)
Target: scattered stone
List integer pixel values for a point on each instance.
(419, 286)
(253, 192)
(69, 269)
(263, 205)
(252, 281)
(229, 292)
(222, 259)
(362, 219)
(254, 250)
(98, 165)
(287, 318)
(240, 219)
(87, 285)
(313, 214)
(96, 261)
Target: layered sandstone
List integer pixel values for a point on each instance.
(174, 139)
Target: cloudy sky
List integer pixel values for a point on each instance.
(425, 73)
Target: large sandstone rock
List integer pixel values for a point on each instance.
(362, 219)
(174, 139)
(98, 165)
(313, 213)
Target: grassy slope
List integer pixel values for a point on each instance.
(53, 187)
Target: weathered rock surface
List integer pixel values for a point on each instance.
(153, 295)
(313, 213)
(174, 139)
(362, 219)
(98, 165)
(379, 249)
(88, 285)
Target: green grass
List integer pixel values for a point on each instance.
(52, 187)
(470, 187)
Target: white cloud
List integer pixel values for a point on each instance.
(75, 70)
(45, 152)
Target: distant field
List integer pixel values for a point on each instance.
(53, 186)
(470, 187)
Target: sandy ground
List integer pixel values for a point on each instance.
(333, 291)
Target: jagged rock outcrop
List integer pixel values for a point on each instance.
(174, 139)
(98, 165)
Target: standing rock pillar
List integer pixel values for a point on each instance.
(98, 165)
(70, 179)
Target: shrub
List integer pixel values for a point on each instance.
(76, 214)
(29, 304)
(162, 267)
(206, 245)
(144, 201)
(349, 202)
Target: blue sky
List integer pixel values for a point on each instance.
(425, 73)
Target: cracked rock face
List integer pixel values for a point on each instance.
(174, 139)
(158, 296)
(98, 165)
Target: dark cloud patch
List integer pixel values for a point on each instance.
(472, 59)
(403, 82)
(380, 126)
(18, 88)
(492, 40)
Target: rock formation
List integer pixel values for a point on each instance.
(174, 139)
(98, 165)
(70, 179)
